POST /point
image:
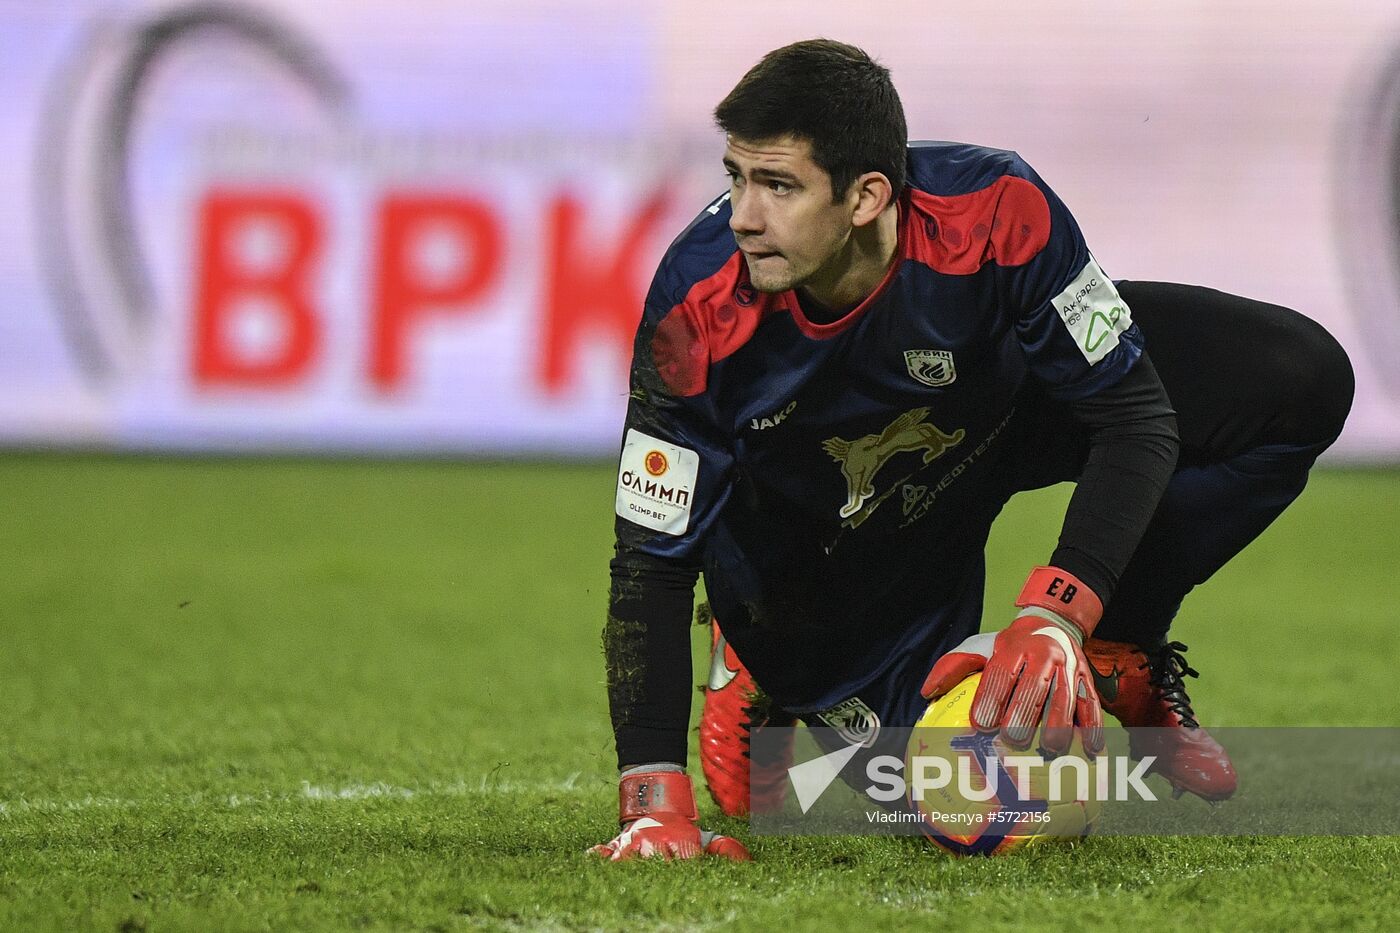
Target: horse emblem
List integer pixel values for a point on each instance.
(863, 457)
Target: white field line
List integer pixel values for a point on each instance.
(316, 793)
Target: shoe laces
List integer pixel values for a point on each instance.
(1167, 666)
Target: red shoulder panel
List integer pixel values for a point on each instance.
(1008, 223)
(717, 317)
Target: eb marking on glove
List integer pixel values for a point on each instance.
(1035, 667)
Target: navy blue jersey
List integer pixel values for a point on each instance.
(835, 480)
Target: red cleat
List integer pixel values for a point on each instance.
(734, 707)
(1144, 689)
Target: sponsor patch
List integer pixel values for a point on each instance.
(854, 721)
(1093, 312)
(656, 483)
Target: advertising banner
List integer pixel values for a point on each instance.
(427, 227)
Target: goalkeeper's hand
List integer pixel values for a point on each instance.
(1036, 668)
(656, 810)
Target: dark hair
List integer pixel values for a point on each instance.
(831, 94)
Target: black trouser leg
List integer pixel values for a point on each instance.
(1260, 391)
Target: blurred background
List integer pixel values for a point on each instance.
(427, 226)
(391, 253)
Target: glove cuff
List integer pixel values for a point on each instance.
(1064, 594)
(655, 792)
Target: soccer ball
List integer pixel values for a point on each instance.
(977, 796)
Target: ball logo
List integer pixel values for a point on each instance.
(656, 463)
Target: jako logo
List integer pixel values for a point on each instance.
(763, 424)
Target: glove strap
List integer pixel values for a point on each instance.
(653, 792)
(1064, 594)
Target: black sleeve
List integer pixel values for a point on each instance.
(646, 645)
(1133, 448)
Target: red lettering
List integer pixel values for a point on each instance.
(255, 324)
(436, 254)
(589, 290)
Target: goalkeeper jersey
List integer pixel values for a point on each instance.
(835, 481)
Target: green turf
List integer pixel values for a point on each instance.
(302, 695)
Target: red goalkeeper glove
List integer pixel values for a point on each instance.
(657, 813)
(1036, 669)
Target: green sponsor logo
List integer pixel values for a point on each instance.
(1100, 326)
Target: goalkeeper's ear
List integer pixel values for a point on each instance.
(869, 195)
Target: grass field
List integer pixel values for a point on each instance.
(304, 695)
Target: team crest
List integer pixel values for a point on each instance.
(931, 367)
(854, 721)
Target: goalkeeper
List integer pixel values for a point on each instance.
(845, 367)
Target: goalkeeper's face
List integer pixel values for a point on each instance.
(790, 230)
